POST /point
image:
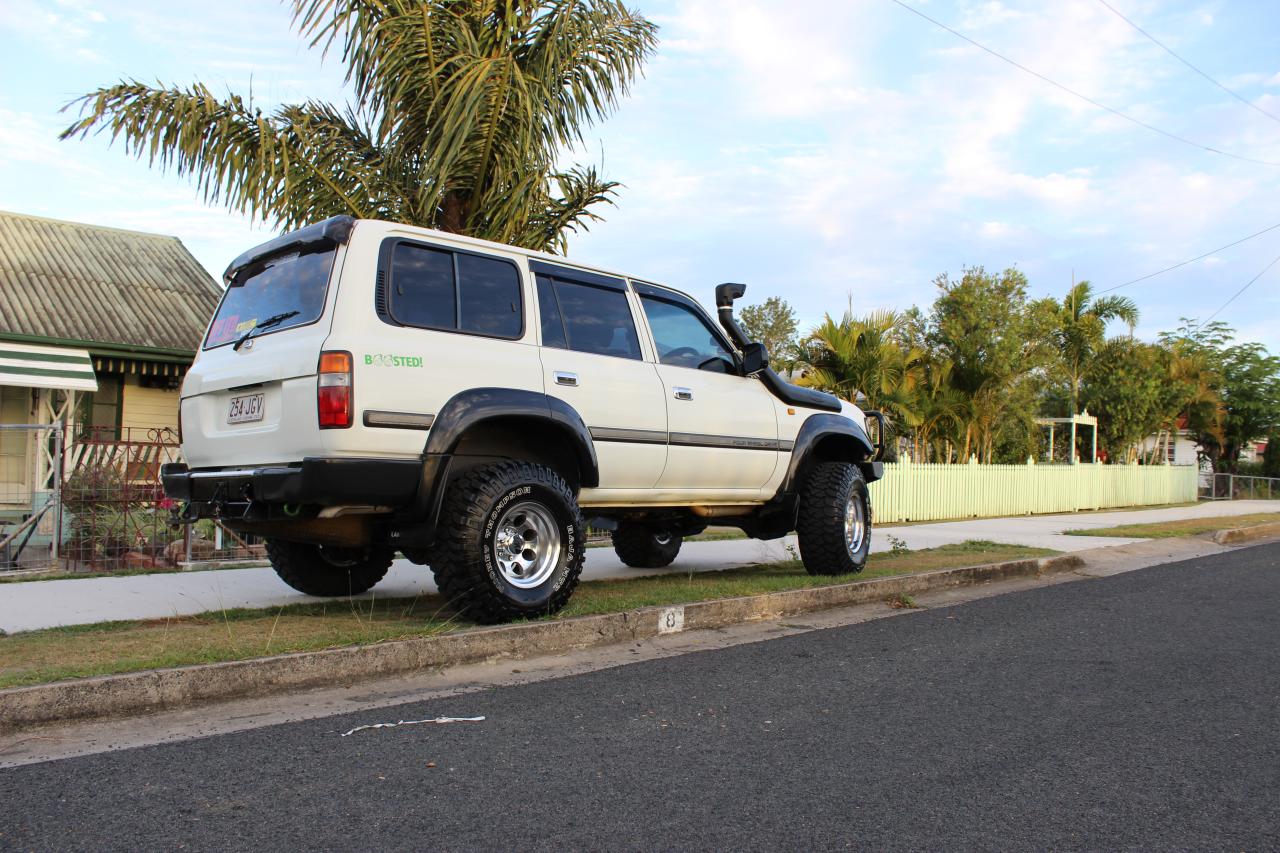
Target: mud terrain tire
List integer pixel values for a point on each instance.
(327, 571)
(834, 528)
(511, 543)
(642, 547)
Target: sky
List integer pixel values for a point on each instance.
(837, 154)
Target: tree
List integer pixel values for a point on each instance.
(1246, 383)
(1250, 397)
(861, 354)
(461, 112)
(994, 340)
(941, 410)
(1079, 330)
(773, 324)
(1271, 458)
(1127, 388)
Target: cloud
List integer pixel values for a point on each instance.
(28, 140)
(65, 26)
(927, 154)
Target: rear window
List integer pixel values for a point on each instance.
(278, 286)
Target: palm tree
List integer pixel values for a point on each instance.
(941, 409)
(1193, 401)
(1080, 327)
(862, 354)
(461, 109)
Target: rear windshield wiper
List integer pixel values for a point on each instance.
(265, 324)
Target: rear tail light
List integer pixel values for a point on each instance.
(333, 390)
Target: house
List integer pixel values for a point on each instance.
(1254, 452)
(97, 328)
(1175, 447)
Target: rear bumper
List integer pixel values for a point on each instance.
(315, 481)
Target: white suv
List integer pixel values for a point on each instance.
(367, 387)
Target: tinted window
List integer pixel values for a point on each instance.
(549, 315)
(295, 282)
(597, 320)
(683, 338)
(422, 291)
(455, 291)
(490, 294)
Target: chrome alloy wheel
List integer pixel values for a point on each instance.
(855, 524)
(526, 545)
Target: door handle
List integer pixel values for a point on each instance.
(563, 378)
(682, 393)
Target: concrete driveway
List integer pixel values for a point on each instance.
(46, 604)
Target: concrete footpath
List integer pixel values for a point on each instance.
(46, 604)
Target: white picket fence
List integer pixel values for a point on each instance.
(929, 492)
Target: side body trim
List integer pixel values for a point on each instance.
(633, 436)
(694, 439)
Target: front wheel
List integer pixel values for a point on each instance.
(512, 542)
(326, 570)
(834, 528)
(642, 547)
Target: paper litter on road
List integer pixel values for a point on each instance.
(415, 723)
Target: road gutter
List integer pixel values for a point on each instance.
(188, 686)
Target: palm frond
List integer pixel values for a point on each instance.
(294, 165)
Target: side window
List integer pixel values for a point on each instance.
(422, 292)
(683, 338)
(453, 291)
(596, 320)
(549, 315)
(489, 290)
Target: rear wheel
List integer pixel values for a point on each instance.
(511, 544)
(834, 528)
(326, 570)
(643, 547)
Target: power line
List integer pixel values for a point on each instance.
(1185, 62)
(1240, 291)
(1085, 98)
(1191, 260)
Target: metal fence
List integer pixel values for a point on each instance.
(31, 507)
(101, 490)
(1238, 487)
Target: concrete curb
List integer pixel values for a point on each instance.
(1237, 535)
(163, 689)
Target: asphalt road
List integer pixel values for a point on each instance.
(1141, 710)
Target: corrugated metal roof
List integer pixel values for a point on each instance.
(72, 282)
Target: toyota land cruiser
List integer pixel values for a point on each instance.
(367, 387)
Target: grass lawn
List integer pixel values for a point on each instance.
(1186, 527)
(35, 657)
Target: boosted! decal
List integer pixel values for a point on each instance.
(389, 360)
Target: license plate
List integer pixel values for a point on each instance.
(245, 409)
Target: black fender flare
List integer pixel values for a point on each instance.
(466, 409)
(818, 428)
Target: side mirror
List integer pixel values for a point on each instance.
(755, 358)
